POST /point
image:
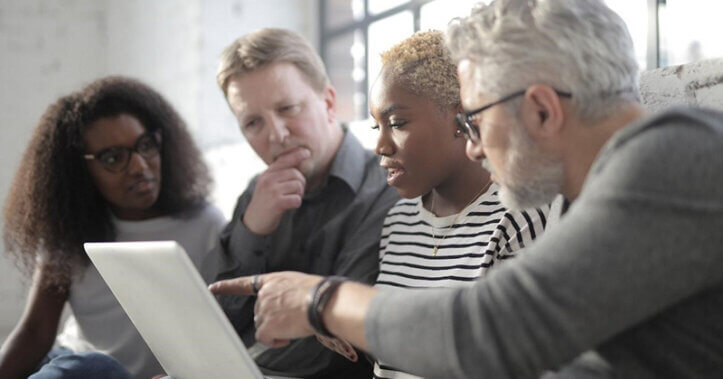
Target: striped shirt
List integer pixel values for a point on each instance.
(469, 244)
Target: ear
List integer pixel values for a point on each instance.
(542, 112)
(329, 96)
(454, 110)
(475, 151)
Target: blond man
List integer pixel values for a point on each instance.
(319, 205)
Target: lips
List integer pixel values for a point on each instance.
(143, 185)
(395, 172)
(288, 151)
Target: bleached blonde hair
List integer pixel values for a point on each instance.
(423, 63)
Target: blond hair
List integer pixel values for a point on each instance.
(269, 45)
(423, 63)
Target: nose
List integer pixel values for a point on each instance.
(137, 163)
(278, 132)
(475, 151)
(385, 146)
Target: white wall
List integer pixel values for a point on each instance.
(44, 55)
(49, 48)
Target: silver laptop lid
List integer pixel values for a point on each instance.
(170, 305)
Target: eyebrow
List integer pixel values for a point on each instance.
(145, 134)
(391, 109)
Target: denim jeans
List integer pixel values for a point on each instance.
(64, 363)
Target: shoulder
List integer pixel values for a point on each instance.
(206, 217)
(516, 227)
(211, 214)
(676, 154)
(524, 226)
(669, 128)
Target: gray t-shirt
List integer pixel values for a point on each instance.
(99, 322)
(633, 271)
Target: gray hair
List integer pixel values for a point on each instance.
(269, 45)
(580, 46)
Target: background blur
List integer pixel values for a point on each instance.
(49, 48)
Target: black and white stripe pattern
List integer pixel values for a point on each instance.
(484, 235)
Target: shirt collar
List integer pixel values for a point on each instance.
(349, 161)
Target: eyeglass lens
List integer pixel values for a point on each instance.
(117, 158)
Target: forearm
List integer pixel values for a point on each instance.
(575, 288)
(345, 314)
(23, 351)
(35, 333)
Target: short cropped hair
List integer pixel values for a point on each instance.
(423, 63)
(580, 46)
(266, 46)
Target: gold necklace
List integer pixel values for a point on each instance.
(456, 218)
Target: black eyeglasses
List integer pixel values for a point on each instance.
(116, 158)
(465, 122)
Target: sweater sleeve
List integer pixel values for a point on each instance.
(613, 262)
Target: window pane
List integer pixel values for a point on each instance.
(343, 12)
(345, 65)
(635, 15)
(690, 30)
(384, 34)
(379, 6)
(438, 13)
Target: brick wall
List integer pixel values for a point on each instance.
(695, 84)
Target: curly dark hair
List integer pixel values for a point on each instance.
(53, 206)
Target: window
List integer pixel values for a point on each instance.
(384, 34)
(635, 15)
(355, 32)
(690, 30)
(437, 14)
(351, 48)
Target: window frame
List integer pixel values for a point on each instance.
(327, 34)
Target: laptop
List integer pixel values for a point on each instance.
(175, 313)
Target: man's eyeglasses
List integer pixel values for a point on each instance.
(465, 120)
(116, 158)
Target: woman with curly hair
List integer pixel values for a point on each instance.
(111, 162)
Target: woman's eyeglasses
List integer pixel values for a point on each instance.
(117, 158)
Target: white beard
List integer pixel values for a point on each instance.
(531, 178)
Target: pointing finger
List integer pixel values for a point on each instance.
(237, 286)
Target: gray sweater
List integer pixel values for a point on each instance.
(633, 271)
